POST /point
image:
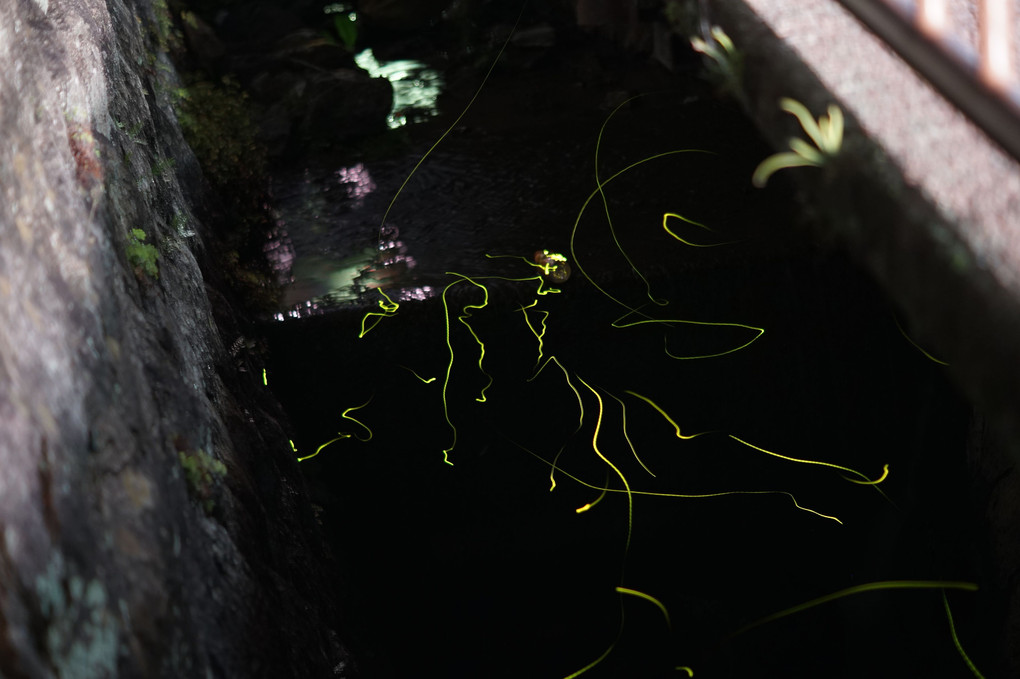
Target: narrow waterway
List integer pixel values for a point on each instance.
(486, 511)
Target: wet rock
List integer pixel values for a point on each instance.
(314, 109)
(344, 103)
(308, 92)
(402, 15)
(152, 518)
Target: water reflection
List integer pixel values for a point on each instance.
(357, 181)
(321, 249)
(415, 87)
(324, 248)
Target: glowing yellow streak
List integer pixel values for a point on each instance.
(546, 269)
(630, 516)
(426, 381)
(623, 417)
(597, 660)
(760, 331)
(580, 404)
(865, 482)
(463, 319)
(686, 496)
(662, 412)
(539, 334)
(591, 196)
(454, 123)
(857, 589)
(880, 479)
(265, 378)
(831, 465)
(446, 378)
(449, 347)
(684, 668)
(915, 344)
(341, 435)
(665, 219)
(542, 289)
(589, 505)
(647, 597)
(552, 468)
(605, 206)
(389, 308)
(361, 424)
(319, 449)
(956, 639)
(626, 486)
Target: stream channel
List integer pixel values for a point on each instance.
(478, 568)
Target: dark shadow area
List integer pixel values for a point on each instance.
(477, 569)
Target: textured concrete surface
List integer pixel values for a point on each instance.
(927, 202)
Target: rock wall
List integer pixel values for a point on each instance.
(153, 521)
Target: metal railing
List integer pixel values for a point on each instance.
(967, 49)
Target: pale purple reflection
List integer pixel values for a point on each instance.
(358, 181)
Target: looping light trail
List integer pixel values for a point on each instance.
(672, 321)
(389, 308)
(665, 225)
(341, 435)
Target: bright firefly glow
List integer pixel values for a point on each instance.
(389, 308)
(647, 597)
(626, 486)
(319, 449)
(866, 481)
(685, 496)
(580, 420)
(662, 412)
(357, 422)
(553, 265)
(426, 381)
(449, 347)
(598, 191)
(623, 422)
(539, 334)
(665, 225)
(341, 435)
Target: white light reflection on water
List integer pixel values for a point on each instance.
(318, 279)
(415, 87)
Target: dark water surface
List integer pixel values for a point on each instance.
(477, 569)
